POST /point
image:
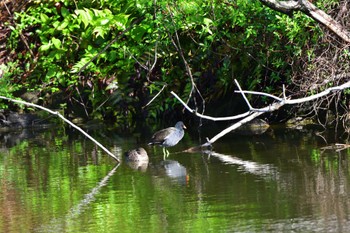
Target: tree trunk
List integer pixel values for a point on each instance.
(288, 7)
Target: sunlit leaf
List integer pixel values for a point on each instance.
(56, 42)
(45, 47)
(44, 18)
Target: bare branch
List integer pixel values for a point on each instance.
(284, 92)
(260, 93)
(301, 100)
(244, 97)
(155, 60)
(65, 120)
(209, 117)
(323, 18)
(253, 113)
(161, 90)
(177, 46)
(231, 128)
(321, 94)
(21, 35)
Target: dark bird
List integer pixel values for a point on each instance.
(168, 137)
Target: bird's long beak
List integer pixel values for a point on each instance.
(184, 126)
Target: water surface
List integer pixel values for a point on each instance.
(53, 180)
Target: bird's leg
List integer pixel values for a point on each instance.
(164, 154)
(167, 152)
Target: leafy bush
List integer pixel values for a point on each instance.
(220, 40)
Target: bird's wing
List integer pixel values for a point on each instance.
(162, 135)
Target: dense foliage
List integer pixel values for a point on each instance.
(62, 52)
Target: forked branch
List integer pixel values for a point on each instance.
(253, 112)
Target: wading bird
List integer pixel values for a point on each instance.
(168, 137)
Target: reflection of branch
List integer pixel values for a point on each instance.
(77, 210)
(88, 198)
(65, 120)
(337, 147)
(253, 112)
(247, 166)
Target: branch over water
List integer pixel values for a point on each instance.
(65, 120)
(255, 112)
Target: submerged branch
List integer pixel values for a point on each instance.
(65, 120)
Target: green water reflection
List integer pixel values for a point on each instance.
(54, 181)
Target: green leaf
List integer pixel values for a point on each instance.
(100, 31)
(44, 18)
(138, 32)
(56, 42)
(86, 16)
(50, 73)
(45, 47)
(62, 26)
(104, 21)
(207, 21)
(64, 12)
(121, 21)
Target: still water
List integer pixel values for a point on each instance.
(282, 181)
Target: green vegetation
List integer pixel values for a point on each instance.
(66, 60)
